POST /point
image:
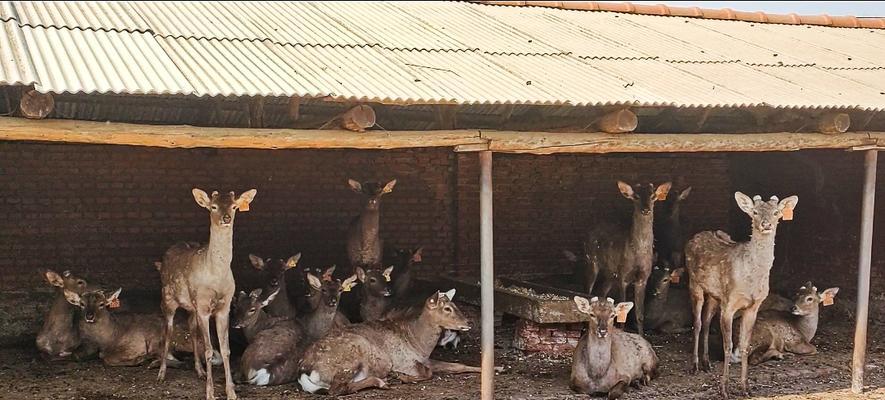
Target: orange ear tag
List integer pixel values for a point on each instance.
(243, 205)
(662, 196)
(788, 214)
(114, 304)
(622, 316)
(674, 278)
(828, 299)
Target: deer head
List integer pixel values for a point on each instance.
(662, 277)
(329, 290)
(807, 299)
(94, 303)
(66, 281)
(375, 282)
(644, 196)
(273, 270)
(223, 208)
(372, 189)
(602, 313)
(765, 215)
(247, 307)
(443, 312)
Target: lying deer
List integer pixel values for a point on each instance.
(668, 309)
(608, 360)
(274, 271)
(401, 279)
(59, 337)
(361, 356)
(669, 238)
(364, 244)
(779, 332)
(326, 315)
(625, 254)
(275, 347)
(734, 277)
(199, 280)
(374, 292)
(124, 339)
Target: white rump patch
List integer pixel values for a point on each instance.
(259, 378)
(312, 383)
(216, 358)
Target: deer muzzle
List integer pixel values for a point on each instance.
(89, 317)
(226, 219)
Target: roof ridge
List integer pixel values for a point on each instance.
(843, 21)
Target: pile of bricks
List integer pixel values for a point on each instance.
(556, 339)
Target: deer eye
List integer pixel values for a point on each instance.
(251, 311)
(372, 280)
(214, 207)
(808, 299)
(81, 283)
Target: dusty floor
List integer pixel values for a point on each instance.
(23, 375)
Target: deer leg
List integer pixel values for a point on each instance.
(802, 348)
(343, 384)
(622, 292)
(697, 305)
(747, 322)
(709, 311)
(168, 316)
(590, 275)
(420, 372)
(197, 345)
(639, 306)
(443, 367)
(606, 287)
(618, 390)
(203, 324)
(726, 318)
(221, 327)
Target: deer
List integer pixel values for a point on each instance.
(199, 280)
(59, 337)
(124, 339)
(364, 244)
(625, 254)
(667, 310)
(374, 292)
(608, 360)
(669, 238)
(778, 332)
(326, 315)
(360, 356)
(401, 279)
(733, 276)
(274, 271)
(275, 344)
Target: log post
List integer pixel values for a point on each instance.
(834, 123)
(620, 121)
(294, 110)
(358, 119)
(36, 105)
(256, 112)
(445, 117)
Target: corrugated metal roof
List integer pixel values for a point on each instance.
(436, 52)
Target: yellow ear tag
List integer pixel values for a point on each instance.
(346, 288)
(622, 316)
(828, 299)
(114, 304)
(674, 277)
(387, 277)
(788, 214)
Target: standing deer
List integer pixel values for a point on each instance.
(669, 238)
(274, 271)
(199, 280)
(364, 244)
(59, 337)
(625, 254)
(733, 276)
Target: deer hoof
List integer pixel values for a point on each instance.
(705, 366)
(381, 384)
(723, 391)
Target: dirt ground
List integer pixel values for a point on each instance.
(24, 375)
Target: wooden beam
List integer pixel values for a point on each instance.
(620, 121)
(834, 123)
(36, 105)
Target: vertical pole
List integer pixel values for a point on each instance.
(487, 276)
(863, 275)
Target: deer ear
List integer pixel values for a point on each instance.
(684, 194)
(114, 296)
(327, 276)
(389, 187)
(255, 293)
(626, 190)
(257, 262)
(416, 256)
(348, 284)
(624, 307)
(355, 186)
(583, 304)
(245, 199)
(54, 278)
(433, 301)
(292, 262)
(832, 292)
(662, 191)
(450, 294)
(387, 273)
(744, 202)
(201, 198)
(789, 202)
(270, 298)
(314, 282)
(570, 256)
(361, 274)
(73, 298)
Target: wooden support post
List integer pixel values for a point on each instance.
(294, 110)
(358, 119)
(446, 117)
(256, 112)
(833, 123)
(863, 275)
(487, 277)
(620, 121)
(36, 105)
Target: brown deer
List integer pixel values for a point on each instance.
(734, 277)
(59, 337)
(778, 332)
(668, 308)
(669, 237)
(326, 315)
(608, 360)
(124, 339)
(199, 280)
(625, 254)
(364, 244)
(374, 292)
(275, 347)
(360, 356)
(274, 276)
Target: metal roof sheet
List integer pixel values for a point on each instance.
(16, 67)
(94, 15)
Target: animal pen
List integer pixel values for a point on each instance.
(506, 126)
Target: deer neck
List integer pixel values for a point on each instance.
(220, 249)
(423, 333)
(761, 249)
(807, 324)
(658, 301)
(369, 221)
(61, 314)
(641, 232)
(103, 331)
(262, 321)
(599, 353)
(320, 321)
